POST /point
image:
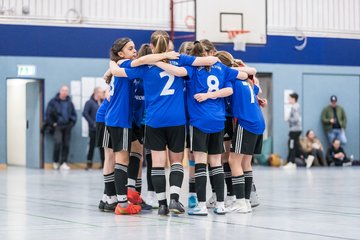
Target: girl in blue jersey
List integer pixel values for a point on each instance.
(118, 118)
(165, 119)
(206, 88)
(247, 139)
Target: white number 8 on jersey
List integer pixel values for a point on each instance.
(213, 83)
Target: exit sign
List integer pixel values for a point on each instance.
(26, 70)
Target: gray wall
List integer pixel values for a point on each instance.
(59, 71)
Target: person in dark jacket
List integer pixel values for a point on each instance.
(61, 116)
(336, 155)
(89, 113)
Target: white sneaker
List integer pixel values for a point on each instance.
(151, 199)
(289, 165)
(64, 166)
(220, 208)
(239, 206)
(211, 203)
(309, 161)
(229, 200)
(248, 205)
(254, 199)
(55, 166)
(199, 210)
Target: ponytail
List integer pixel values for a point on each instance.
(117, 46)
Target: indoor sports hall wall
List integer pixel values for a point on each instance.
(67, 54)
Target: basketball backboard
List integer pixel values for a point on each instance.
(215, 18)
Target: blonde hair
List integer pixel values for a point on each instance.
(160, 40)
(186, 47)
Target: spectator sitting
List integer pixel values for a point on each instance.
(311, 146)
(336, 155)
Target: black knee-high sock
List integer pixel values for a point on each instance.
(248, 182)
(192, 185)
(109, 180)
(200, 181)
(211, 179)
(218, 178)
(120, 183)
(133, 169)
(148, 172)
(238, 183)
(138, 185)
(159, 182)
(176, 179)
(228, 179)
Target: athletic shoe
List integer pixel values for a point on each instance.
(239, 206)
(220, 209)
(110, 207)
(101, 205)
(309, 161)
(347, 164)
(211, 203)
(152, 200)
(134, 197)
(176, 207)
(130, 209)
(64, 166)
(199, 210)
(254, 199)
(55, 166)
(289, 165)
(145, 207)
(229, 200)
(163, 210)
(192, 201)
(248, 205)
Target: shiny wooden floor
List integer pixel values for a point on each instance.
(317, 204)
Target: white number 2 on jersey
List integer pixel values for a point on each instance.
(252, 95)
(166, 90)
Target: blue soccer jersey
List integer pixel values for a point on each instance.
(138, 101)
(164, 94)
(119, 112)
(208, 116)
(246, 107)
(100, 114)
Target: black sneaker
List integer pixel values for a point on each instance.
(176, 207)
(145, 207)
(110, 207)
(163, 210)
(101, 205)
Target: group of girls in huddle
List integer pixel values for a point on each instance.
(161, 102)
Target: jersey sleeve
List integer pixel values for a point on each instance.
(190, 71)
(186, 60)
(229, 74)
(256, 89)
(136, 72)
(126, 64)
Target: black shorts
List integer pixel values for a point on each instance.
(158, 138)
(187, 137)
(211, 143)
(102, 136)
(245, 142)
(120, 138)
(229, 129)
(137, 133)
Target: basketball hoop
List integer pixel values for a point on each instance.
(239, 39)
(190, 22)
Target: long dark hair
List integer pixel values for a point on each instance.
(198, 50)
(117, 46)
(144, 50)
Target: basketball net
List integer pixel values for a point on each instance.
(239, 39)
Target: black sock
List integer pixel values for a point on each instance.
(211, 179)
(109, 180)
(248, 183)
(133, 169)
(228, 179)
(138, 185)
(192, 185)
(218, 178)
(238, 183)
(200, 181)
(176, 179)
(159, 181)
(120, 183)
(148, 172)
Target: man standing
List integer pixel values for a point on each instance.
(61, 115)
(334, 121)
(89, 113)
(295, 127)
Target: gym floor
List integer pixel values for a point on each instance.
(319, 203)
